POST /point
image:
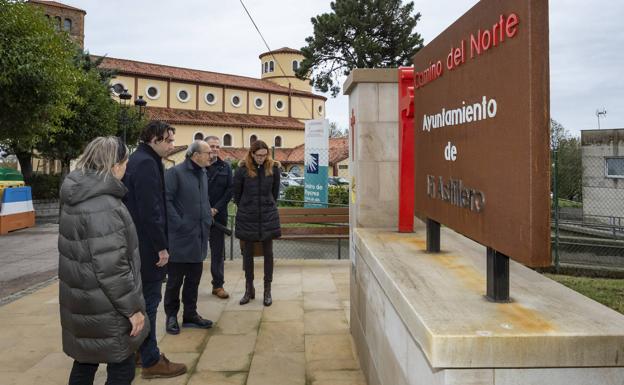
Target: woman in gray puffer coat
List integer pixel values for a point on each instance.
(100, 292)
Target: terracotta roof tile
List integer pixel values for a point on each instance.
(131, 67)
(281, 50)
(56, 4)
(222, 119)
(338, 151)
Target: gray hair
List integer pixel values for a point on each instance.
(211, 137)
(101, 154)
(194, 147)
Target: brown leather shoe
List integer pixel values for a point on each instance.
(220, 292)
(163, 369)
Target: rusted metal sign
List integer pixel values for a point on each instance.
(481, 118)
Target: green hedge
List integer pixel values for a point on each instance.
(45, 186)
(337, 195)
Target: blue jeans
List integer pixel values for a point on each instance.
(149, 349)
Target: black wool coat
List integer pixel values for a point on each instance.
(220, 188)
(257, 218)
(189, 212)
(145, 200)
(99, 280)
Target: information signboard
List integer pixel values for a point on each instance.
(481, 117)
(316, 162)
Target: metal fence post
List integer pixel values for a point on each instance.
(556, 209)
(339, 251)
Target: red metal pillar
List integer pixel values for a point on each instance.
(406, 149)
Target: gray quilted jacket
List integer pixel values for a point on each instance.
(99, 270)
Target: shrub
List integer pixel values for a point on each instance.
(45, 186)
(336, 195)
(293, 193)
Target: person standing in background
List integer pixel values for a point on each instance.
(220, 194)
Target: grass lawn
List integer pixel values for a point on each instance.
(609, 292)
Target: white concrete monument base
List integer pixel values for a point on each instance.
(423, 319)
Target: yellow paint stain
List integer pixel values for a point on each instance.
(408, 239)
(466, 274)
(523, 319)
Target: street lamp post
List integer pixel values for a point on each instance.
(124, 98)
(140, 104)
(602, 113)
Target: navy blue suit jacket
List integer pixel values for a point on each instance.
(145, 200)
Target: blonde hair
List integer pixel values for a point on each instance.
(268, 161)
(101, 154)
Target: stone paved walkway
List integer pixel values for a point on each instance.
(302, 339)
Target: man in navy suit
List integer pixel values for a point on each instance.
(145, 200)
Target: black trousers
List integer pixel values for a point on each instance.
(217, 255)
(187, 277)
(121, 373)
(248, 263)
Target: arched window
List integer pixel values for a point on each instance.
(252, 139)
(271, 66)
(57, 23)
(227, 140)
(266, 66)
(295, 65)
(198, 136)
(67, 25)
(278, 141)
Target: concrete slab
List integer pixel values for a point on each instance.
(325, 322)
(440, 299)
(280, 337)
(278, 369)
(227, 353)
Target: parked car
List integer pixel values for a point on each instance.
(337, 181)
(298, 179)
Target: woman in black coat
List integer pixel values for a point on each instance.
(100, 289)
(256, 189)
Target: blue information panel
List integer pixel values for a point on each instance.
(316, 163)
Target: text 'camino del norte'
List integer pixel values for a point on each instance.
(455, 193)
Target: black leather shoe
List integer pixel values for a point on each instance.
(172, 325)
(196, 321)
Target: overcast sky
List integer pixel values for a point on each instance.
(586, 43)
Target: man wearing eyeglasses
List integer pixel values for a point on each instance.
(189, 221)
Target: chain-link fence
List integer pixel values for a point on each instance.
(588, 201)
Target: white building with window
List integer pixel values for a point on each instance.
(603, 173)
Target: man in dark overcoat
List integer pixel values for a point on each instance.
(145, 200)
(189, 221)
(220, 194)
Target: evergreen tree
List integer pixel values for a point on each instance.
(359, 34)
(569, 177)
